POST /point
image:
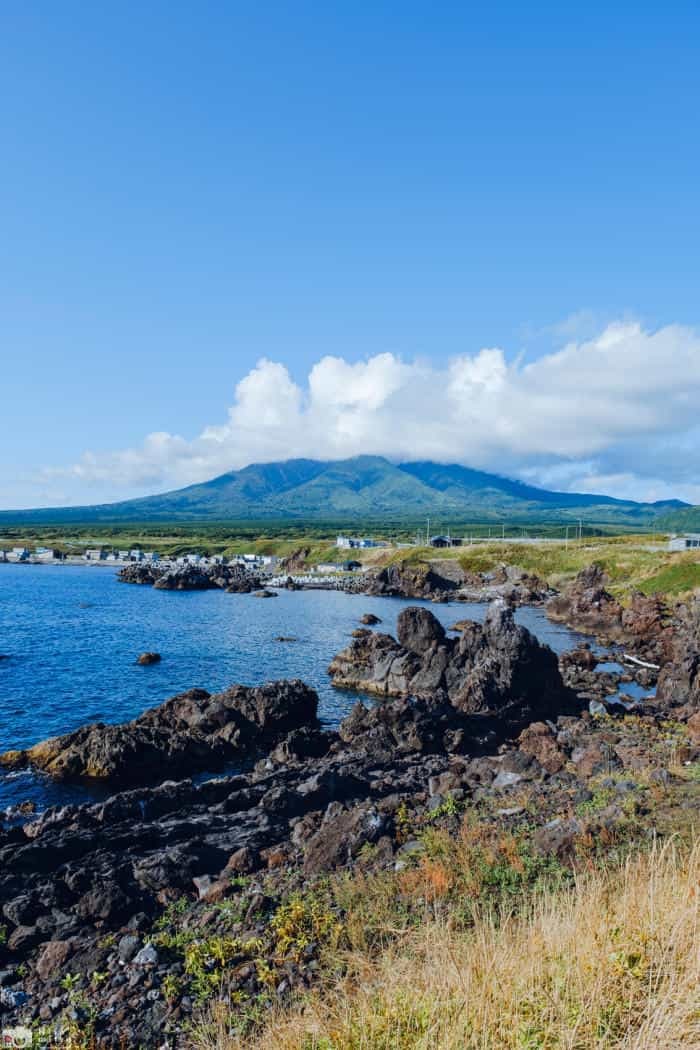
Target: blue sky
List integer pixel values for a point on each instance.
(186, 189)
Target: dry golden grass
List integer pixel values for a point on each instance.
(614, 962)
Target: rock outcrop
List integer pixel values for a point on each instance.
(236, 579)
(586, 604)
(405, 580)
(190, 732)
(493, 678)
(645, 625)
(678, 686)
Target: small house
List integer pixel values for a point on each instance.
(687, 542)
(95, 554)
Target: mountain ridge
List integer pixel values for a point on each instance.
(359, 488)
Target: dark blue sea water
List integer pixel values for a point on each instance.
(72, 636)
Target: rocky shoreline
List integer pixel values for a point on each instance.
(122, 920)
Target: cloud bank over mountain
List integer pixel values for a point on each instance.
(618, 413)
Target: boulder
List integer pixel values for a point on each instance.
(148, 658)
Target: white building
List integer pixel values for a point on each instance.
(356, 542)
(18, 554)
(46, 554)
(95, 554)
(689, 541)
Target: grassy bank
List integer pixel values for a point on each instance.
(632, 562)
(611, 962)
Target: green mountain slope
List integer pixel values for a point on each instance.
(365, 487)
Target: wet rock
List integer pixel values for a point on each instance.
(265, 594)
(582, 657)
(370, 619)
(145, 659)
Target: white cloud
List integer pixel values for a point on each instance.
(616, 413)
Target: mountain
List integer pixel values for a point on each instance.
(362, 488)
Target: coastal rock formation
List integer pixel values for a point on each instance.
(126, 888)
(184, 578)
(236, 579)
(404, 580)
(165, 891)
(646, 625)
(144, 573)
(506, 581)
(445, 579)
(190, 732)
(586, 604)
(497, 673)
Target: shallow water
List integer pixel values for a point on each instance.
(72, 635)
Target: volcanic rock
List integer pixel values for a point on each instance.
(191, 731)
(496, 671)
(148, 658)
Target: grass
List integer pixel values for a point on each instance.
(631, 562)
(680, 578)
(611, 962)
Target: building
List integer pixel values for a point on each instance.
(95, 554)
(687, 542)
(18, 554)
(355, 542)
(46, 554)
(151, 556)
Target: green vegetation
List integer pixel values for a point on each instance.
(680, 578)
(366, 488)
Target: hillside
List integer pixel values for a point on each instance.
(362, 488)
